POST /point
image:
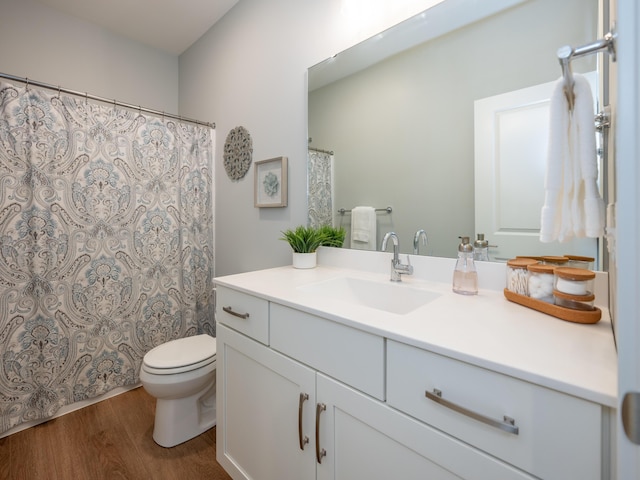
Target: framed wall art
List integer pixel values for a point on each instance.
(270, 187)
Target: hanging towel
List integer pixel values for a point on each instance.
(363, 228)
(572, 207)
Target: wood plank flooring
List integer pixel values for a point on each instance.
(108, 440)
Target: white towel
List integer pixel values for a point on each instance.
(572, 206)
(363, 228)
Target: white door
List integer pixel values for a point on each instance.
(258, 394)
(627, 257)
(511, 137)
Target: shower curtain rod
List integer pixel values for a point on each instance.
(330, 152)
(113, 102)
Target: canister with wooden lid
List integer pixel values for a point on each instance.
(518, 275)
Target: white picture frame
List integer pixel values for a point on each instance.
(270, 183)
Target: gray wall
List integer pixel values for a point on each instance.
(250, 70)
(43, 44)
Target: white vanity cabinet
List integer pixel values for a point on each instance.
(309, 402)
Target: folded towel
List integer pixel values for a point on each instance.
(572, 206)
(363, 228)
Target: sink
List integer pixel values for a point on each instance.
(390, 297)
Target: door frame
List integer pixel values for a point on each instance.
(627, 256)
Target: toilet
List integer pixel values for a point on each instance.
(181, 374)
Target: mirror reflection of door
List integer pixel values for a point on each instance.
(511, 136)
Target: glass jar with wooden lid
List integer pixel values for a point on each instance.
(518, 275)
(541, 280)
(574, 281)
(558, 261)
(578, 261)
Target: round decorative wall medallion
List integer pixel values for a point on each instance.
(238, 150)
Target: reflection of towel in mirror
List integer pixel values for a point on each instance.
(572, 205)
(363, 228)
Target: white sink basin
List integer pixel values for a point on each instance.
(391, 297)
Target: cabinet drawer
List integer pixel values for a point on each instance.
(242, 312)
(344, 353)
(558, 436)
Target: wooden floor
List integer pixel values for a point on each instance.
(108, 440)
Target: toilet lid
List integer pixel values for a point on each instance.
(181, 352)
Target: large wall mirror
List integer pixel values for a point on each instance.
(400, 113)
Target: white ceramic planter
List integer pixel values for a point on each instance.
(304, 260)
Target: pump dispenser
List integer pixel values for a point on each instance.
(465, 276)
(481, 248)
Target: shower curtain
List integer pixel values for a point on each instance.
(320, 188)
(106, 246)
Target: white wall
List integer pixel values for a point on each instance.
(43, 44)
(250, 70)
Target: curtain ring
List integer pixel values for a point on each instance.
(86, 98)
(59, 91)
(26, 88)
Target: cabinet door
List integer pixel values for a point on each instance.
(364, 438)
(258, 400)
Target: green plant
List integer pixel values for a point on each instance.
(303, 239)
(333, 237)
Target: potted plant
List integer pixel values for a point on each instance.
(304, 242)
(333, 237)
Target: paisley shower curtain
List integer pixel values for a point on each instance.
(320, 188)
(106, 246)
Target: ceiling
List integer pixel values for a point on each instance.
(168, 25)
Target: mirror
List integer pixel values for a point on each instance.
(401, 127)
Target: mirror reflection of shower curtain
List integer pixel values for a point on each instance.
(320, 188)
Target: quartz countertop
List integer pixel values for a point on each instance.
(485, 330)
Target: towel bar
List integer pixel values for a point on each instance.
(342, 211)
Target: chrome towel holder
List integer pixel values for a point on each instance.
(567, 53)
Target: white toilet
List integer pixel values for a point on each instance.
(181, 374)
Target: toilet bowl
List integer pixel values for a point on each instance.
(181, 375)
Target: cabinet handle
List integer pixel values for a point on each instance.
(508, 424)
(230, 311)
(320, 452)
(303, 439)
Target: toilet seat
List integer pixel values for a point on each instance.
(181, 355)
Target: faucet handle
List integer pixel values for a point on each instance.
(408, 266)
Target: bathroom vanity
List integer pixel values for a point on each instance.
(335, 372)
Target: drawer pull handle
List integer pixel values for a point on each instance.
(230, 311)
(320, 452)
(303, 439)
(508, 423)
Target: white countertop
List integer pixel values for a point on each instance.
(486, 330)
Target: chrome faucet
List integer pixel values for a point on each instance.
(397, 268)
(416, 240)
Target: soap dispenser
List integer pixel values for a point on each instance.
(465, 276)
(481, 248)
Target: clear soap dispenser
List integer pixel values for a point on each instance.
(481, 248)
(465, 276)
